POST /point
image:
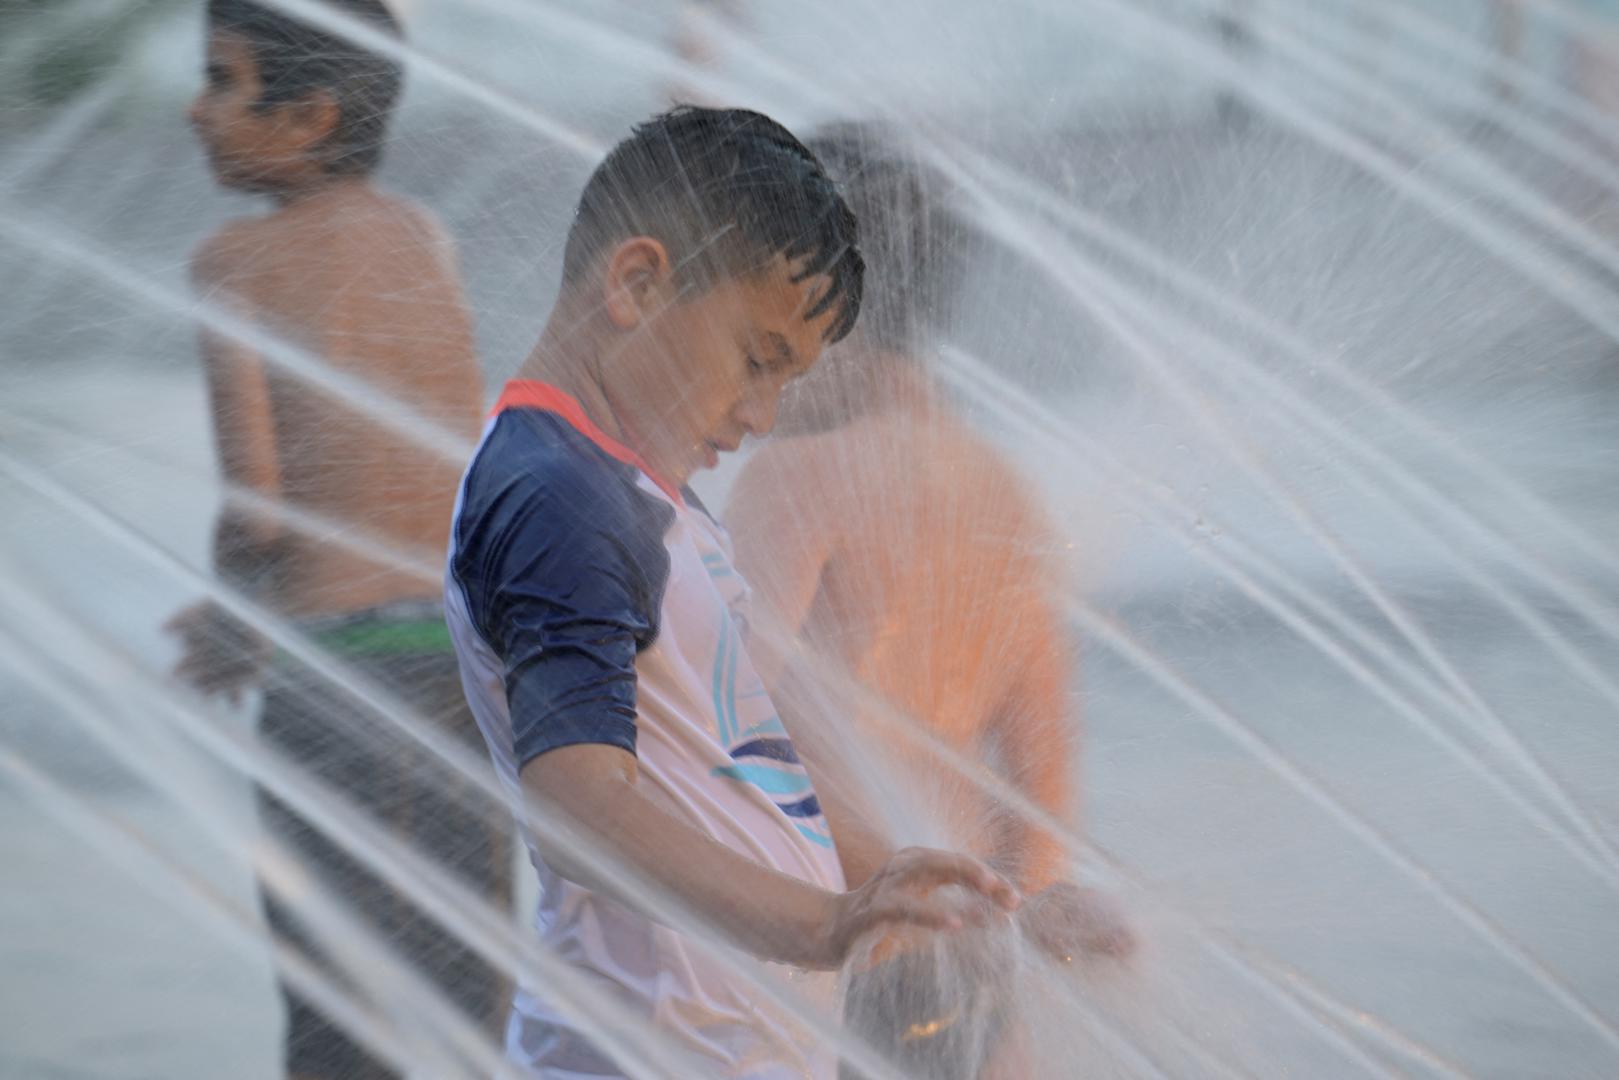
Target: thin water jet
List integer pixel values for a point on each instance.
(462, 913)
(327, 920)
(558, 832)
(1408, 628)
(1068, 837)
(1115, 637)
(1348, 563)
(1229, 565)
(120, 842)
(918, 735)
(1508, 71)
(1366, 659)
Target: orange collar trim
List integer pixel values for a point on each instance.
(533, 394)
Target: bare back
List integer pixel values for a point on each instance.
(936, 594)
(366, 284)
(934, 583)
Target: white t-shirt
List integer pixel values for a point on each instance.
(591, 604)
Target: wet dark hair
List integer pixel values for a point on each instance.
(725, 191)
(296, 58)
(912, 245)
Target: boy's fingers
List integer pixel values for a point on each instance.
(1072, 919)
(929, 868)
(208, 675)
(917, 912)
(983, 912)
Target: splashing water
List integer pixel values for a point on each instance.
(1300, 318)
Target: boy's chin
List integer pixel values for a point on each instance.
(231, 180)
(240, 181)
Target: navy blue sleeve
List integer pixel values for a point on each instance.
(563, 567)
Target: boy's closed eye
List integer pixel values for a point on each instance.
(784, 360)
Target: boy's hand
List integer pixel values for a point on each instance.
(220, 654)
(905, 892)
(1067, 919)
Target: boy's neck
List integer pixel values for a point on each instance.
(566, 357)
(317, 186)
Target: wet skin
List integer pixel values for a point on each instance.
(906, 550)
(364, 283)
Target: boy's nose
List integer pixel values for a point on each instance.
(758, 412)
(195, 114)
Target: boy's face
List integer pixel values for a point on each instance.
(709, 370)
(248, 148)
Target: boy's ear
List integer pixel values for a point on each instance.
(638, 281)
(313, 118)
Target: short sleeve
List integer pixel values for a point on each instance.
(564, 581)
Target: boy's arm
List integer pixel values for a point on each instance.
(768, 913)
(1034, 729)
(245, 543)
(219, 654)
(1039, 738)
(783, 520)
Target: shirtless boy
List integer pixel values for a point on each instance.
(907, 552)
(602, 629)
(365, 283)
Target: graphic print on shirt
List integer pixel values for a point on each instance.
(751, 731)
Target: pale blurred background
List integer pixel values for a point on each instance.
(1486, 370)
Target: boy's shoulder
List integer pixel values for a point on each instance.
(387, 239)
(229, 250)
(369, 215)
(245, 246)
(356, 224)
(541, 493)
(534, 461)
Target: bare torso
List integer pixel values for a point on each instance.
(366, 284)
(936, 589)
(940, 560)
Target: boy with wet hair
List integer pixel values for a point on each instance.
(364, 283)
(603, 630)
(910, 555)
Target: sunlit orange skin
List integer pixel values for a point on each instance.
(905, 547)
